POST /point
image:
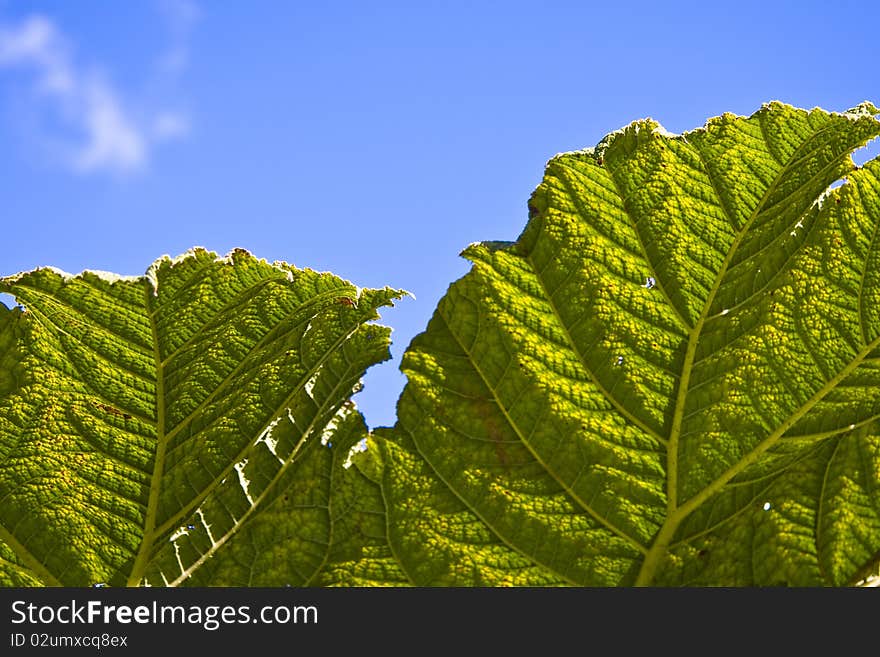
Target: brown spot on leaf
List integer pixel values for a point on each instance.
(113, 411)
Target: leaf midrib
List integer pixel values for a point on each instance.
(151, 531)
(674, 516)
(675, 513)
(142, 559)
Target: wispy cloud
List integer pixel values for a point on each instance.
(110, 137)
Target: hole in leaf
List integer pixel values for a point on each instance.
(867, 152)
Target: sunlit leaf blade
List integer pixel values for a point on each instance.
(686, 328)
(136, 410)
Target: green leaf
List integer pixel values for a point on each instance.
(672, 377)
(146, 421)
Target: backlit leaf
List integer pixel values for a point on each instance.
(145, 421)
(672, 377)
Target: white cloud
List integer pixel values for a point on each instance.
(114, 141)
(37, 42)
(110, 137)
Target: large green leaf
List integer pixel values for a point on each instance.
(672, 377)
(146, 421)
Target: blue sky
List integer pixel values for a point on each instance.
(372, 139)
